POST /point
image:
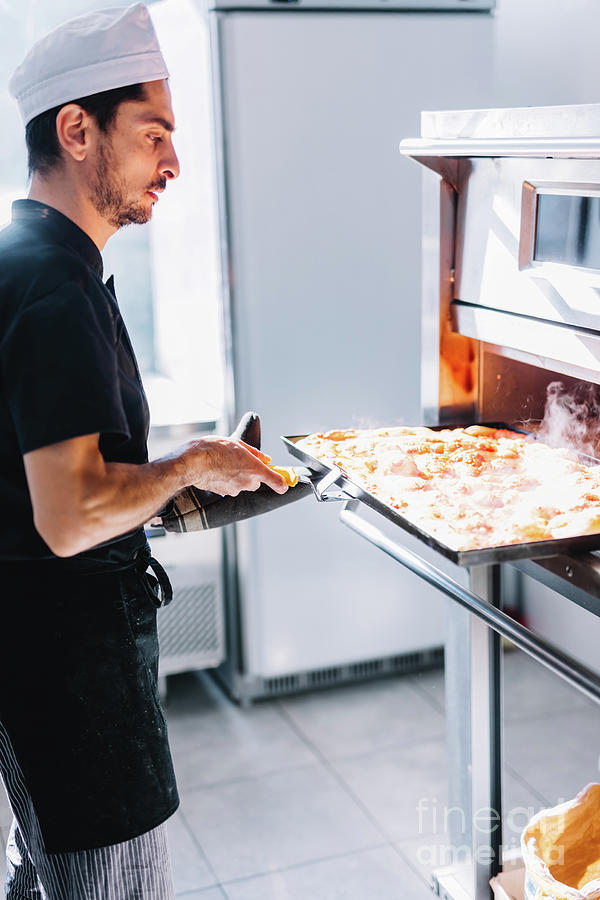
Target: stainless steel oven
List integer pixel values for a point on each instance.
(511, 305)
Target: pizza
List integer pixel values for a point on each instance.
(470, 487)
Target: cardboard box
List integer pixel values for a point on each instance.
(509, 885)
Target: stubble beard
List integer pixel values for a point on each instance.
(108, 193)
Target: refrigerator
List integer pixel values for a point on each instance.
(320, 249)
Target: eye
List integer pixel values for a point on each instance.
(155, 138)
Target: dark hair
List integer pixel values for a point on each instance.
(43, 147)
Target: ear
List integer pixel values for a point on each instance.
(74, 128)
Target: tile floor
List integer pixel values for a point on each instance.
(314, 797)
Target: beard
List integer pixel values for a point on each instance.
(109, 193)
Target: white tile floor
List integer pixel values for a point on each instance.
(314, 797)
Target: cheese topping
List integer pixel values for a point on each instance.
(469, 487)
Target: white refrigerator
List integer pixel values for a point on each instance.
(320, 234)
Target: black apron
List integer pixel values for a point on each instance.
(80, 649)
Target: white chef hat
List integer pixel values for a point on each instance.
(99, 51)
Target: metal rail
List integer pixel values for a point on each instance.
(543, 651)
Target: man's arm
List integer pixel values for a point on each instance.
(79, 500)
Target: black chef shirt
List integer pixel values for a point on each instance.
(79, 661)
(67, 367)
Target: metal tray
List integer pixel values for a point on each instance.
(481, 556)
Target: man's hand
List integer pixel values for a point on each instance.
(227, 467)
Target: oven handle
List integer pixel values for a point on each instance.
(543, 651)
(322, 484)
(581, 147)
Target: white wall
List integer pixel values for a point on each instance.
(547, 52)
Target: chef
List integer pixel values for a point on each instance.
(83, 743)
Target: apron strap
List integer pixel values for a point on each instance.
(146, 561)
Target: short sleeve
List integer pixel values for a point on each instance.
(60, 371)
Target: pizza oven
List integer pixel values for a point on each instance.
(511, 259)
(511, 336)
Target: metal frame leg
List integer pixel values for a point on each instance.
(486, 735)
(474, 729)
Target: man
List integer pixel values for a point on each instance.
(83, 745)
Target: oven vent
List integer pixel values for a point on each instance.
(287, 684)
(402, 664)
(324, 676)
(370, 667)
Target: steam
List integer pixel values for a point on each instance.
(572, 418)
(369, 422)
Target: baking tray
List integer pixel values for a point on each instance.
(481, 556)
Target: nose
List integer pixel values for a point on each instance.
(170, 164)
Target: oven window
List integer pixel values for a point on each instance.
(568, 230)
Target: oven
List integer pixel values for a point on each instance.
(511, 308)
